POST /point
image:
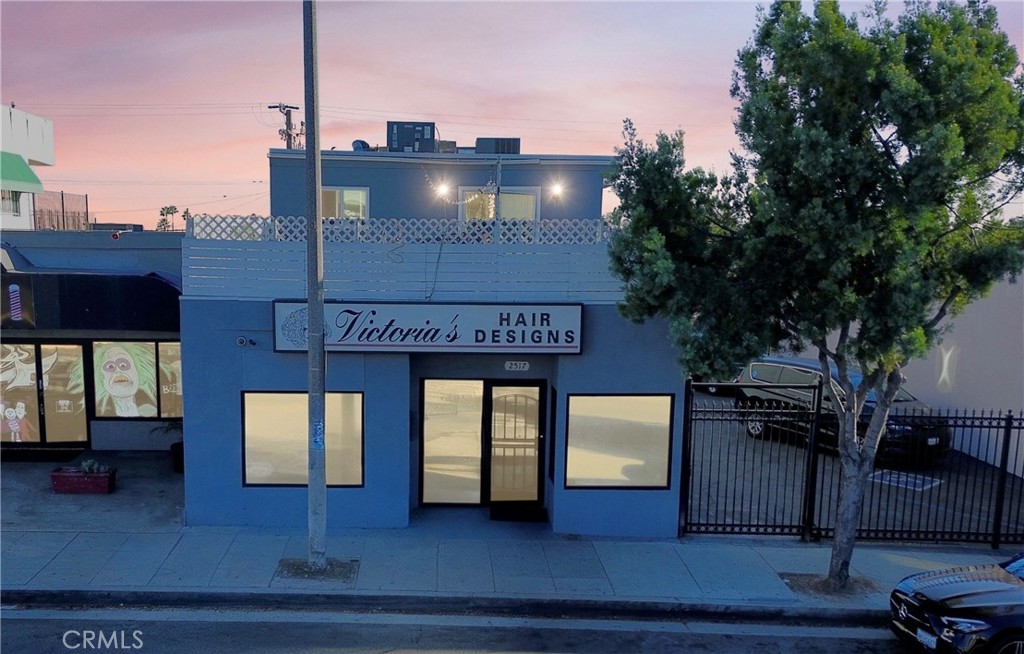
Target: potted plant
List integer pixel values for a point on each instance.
(173, 427)
(89, 476)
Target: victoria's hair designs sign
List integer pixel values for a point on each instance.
(371, 327)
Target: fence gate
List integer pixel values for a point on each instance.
(741, 478)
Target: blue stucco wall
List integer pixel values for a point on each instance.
(404, 187)
(216, 371)
(618, 357)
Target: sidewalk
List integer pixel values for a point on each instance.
(132, 548)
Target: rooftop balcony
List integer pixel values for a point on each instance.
(402, 259)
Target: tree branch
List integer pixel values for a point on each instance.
(943, 310)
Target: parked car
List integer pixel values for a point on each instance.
(976, 609)
(716, 386)
(777, 393)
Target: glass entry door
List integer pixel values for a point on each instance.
(515, 443)
(482, 442)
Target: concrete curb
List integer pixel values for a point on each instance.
(594, 609)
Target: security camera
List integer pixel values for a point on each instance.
(240, 341)
(116, 235)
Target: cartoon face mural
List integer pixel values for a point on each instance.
(120, 377)
(125, 379)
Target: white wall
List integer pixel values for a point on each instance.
(24, 218)
(29, 135)
(980, 362)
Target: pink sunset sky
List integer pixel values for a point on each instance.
(166, 103)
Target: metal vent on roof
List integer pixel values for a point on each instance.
(497, 145)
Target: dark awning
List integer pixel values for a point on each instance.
(17, 175)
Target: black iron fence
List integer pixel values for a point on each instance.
(759, 468)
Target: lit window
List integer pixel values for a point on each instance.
(276, 438)
(170, 380)
(125, 375)
(19, 399)
(517, 203)
(618, 441)
(350, 203)
(64, 393)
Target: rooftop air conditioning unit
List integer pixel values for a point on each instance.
(497, 146)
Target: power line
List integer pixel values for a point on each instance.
(138, 183)
(188, 203)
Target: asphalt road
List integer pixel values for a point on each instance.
(38, 631)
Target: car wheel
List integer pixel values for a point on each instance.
(1012, 644)
(755, 424)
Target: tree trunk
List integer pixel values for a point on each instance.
(852, 484)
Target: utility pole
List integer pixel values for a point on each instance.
(317, 478)
(288, 133)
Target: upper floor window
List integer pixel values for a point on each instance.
(346, 202)
(517, 203)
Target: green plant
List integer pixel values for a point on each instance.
(93, 466)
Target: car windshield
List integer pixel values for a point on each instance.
(901, 395)
(1015, 566)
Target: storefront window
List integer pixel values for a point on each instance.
(64, 393)
(452, 420)
(170, 380)
(618, 441)
(19, 407)
(276, 440)
(125, 375)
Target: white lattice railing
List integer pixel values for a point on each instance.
(570, 231)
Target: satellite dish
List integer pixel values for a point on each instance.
(360, 145)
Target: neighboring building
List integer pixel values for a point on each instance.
(24, 205)
(980, 362)
(472, 360)
(27, 141)
(90, 353)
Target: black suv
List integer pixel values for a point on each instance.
(778, 393)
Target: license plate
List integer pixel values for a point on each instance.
(927, 639)
(933, 441)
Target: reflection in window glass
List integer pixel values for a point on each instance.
(352, 203)
(20, 404)
(477, 205)
(125, 375)
(452, 422)
(170, 380)
(618, 441)
(277, 442)
(64, 393)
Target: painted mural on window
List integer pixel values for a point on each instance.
(64, 394)
(170, 380)
(125, 375)
(19, 398)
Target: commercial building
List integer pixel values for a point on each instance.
(90, 355)
(475, 356)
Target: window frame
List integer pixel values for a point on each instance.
(535, 191)
(362, 440)
(340, 207)
(10, 202)
(91, 373)
(88, 353)
(619, 487)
